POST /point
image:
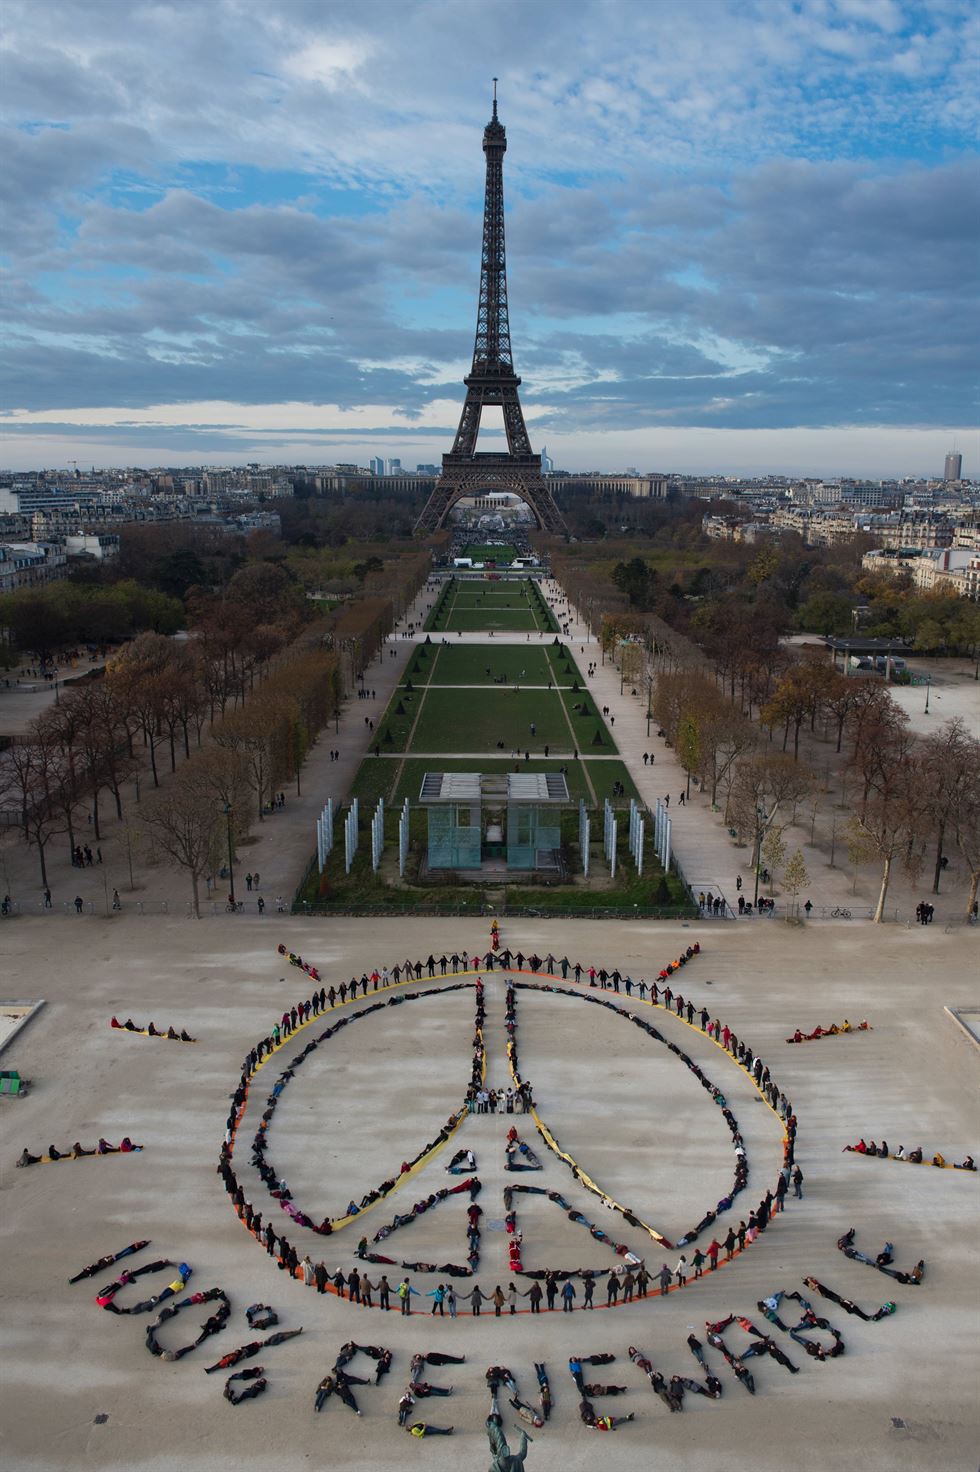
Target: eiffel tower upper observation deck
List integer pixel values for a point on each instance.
(492, 379)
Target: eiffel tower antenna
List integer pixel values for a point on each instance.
(492, 379)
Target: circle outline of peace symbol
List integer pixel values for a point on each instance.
(547, 984)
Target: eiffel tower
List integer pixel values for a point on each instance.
(492, 379)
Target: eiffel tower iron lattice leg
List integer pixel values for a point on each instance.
(492, 380)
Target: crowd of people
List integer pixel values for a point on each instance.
(361, 1290)
(106, 1296)
(910, 1157)
(834, 1030)
(151, 1031)
(754, 1065)
(212, 1325)
(78, 1152)
(882, 1261)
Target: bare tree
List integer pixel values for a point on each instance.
(795, 876)
(885, 830)
(950, 760)
(185, 825)
(965, 818)
(765, 790)
(260, 735)
(37, 767)
(139, 678)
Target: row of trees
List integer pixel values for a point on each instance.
(53, 617)
(156, 699)
(254, 750)
(231, 712)
(914, 796)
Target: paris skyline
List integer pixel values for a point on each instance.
(739, 237)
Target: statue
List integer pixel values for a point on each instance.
(504, 1460)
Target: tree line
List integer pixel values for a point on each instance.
(913, 795)
(230, 712)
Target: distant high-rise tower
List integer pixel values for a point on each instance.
(547, 464)
(953, 469)
(377, 466)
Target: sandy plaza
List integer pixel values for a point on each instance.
(80, 1389)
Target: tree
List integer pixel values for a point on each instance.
(797, 696)
(689, 746)
(138, 677)
(774, 853)
(185, 825)
(795, 876)
(839, 698)
(966, 820)
(874, 723)
(826, 613)
(637, 580)
(259, 734)
(36, 766)
(951, 767)
(632, 662)
(763, 787)
(890, 821)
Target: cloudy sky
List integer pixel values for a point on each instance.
(742, 234)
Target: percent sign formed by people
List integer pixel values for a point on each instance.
(521, 1158)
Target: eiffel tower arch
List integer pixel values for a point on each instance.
(492, 380)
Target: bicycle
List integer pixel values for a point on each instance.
(840, 914)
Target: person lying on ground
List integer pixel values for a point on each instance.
(600, 1423)
(848, 1304)
(257, 1386)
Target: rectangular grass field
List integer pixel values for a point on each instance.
(394, 780)
(487, 664)
(475, 607)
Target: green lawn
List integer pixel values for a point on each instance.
(377, 777)
(487, 552)
(485, 664)
(421, 663)
(471, 595)
(476, 720)
(470, 608)
(467, 664)
(494, 718)
(499, 620)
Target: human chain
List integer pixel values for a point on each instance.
(359, 1286)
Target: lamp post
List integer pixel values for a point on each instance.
(231, 862)
(928, 693)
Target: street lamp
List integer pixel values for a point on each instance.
(231, 862)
